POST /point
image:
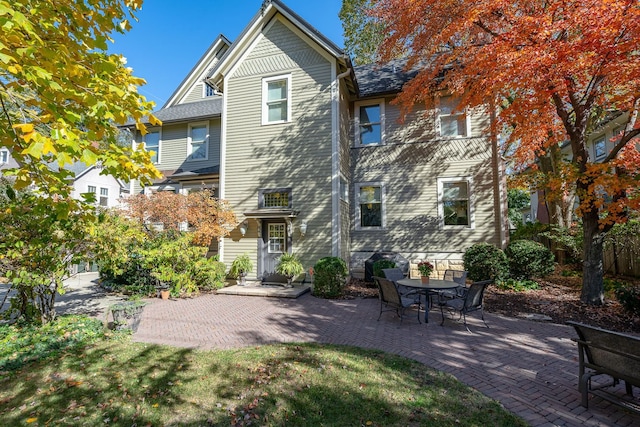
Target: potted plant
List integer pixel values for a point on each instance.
(126, 314)
(289, 265)
(425, 268)
(165, 275)
(240, 267)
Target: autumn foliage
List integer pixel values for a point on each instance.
(206, 216)
(552, 72)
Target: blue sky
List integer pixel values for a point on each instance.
(171, 36)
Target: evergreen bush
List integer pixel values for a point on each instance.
(529, 259)
(381, 264)
(629, 297)
(329, 277)
(485, 261)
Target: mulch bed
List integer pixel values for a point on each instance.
(558, 298)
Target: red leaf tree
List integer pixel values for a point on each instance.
(552, 71)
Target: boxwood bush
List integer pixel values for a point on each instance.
(329, 277)
(629, 297)
(485, 261)
(529, 259)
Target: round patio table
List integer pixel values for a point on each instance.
(434, 285)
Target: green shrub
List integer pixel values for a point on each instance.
(209, 274)
(517, 285)
(329, 277)
(529, 259)
(629, 297)
(380, 264)
(485, 261)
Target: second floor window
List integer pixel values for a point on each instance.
(276, 99)
(599, 148)
(152, 143)
(198, 141)
(4, 157)
(452, 122)
(369, 129)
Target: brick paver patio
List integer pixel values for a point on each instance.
(530, 367)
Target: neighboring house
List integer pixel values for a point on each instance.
(108, 190)
(599, 146)
(6, 160)
(309, 151)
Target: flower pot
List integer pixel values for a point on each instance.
(424, 279)
(164, 293)
(126, 315)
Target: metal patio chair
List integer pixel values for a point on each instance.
(458, 276)
(391, 300)
(470, 302)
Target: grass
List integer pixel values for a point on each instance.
(117, 382)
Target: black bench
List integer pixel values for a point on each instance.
(603, 352)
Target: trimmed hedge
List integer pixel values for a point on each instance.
(329, 277)
(529, 259)
(485, 261)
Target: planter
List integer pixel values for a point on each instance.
(164, 293)
(424, 279)
(126, 315)
(242, 279)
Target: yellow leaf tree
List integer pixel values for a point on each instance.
(62, 95)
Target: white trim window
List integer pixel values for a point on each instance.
(455, 207)
(276, 99)
(4, 156)
(198, 141)
(208, 91)
(452, 123)
(104, 197)
(152, 143)
(600, 148)
(370, 206)
(369, 123)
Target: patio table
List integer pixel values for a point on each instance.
(434, 285)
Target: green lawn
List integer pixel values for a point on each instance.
(117, 382)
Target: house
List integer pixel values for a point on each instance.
(87, 179)
(309, 151)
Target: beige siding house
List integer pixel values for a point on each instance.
(311, 155)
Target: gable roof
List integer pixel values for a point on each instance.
(269, 9)
(219, 44)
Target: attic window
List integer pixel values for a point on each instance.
(4, 156)
(208, 91)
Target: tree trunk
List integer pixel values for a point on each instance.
(593, 268)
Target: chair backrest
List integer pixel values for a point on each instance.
(393, 274)
(458, 276)
(388, 292)
(475, 295)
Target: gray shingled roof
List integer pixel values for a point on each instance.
(381, 79)
(203, 171)
(188, 111)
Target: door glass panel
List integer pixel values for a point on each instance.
(277, 238)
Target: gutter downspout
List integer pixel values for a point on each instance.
(335, 185)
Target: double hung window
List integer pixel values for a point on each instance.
(198, 141)
(276, 99)
(369, 126)
(152, 144)
(452, 122)
(370, 205)
(454, 202)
